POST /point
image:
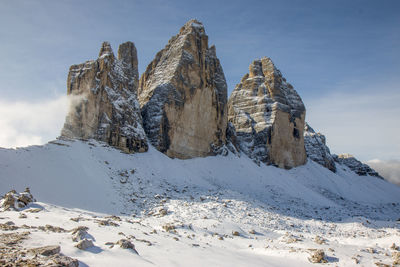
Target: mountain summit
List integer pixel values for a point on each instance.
(104, 104)
(268, 116)
(183, 95)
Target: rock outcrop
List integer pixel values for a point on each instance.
(316, 148)
(268, 116)
(14, 201)
(183, 95)
(104, 103)
(355, 165)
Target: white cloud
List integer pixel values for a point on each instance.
(390, 169)
(31, 123)
(365, 124)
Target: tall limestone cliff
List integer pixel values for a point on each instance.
(104, 102)
(183, 96)
(268, 116)
(316, 148)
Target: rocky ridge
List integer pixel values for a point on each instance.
(183, 95)
(104, 103)
(316, 148)
(355, 165)
(268, 116)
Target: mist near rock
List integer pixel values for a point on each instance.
(390, 169)
(24, 123)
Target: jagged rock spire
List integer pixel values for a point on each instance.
(268, 116)
(104, 103)
(183, 95)
(106, 50)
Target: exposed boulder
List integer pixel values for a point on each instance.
(268, 116)
(183, 95)
(355, 165)
(316, 148)
(104, 103)
(16, 201)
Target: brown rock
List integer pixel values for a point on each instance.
(126, 244)
(45, 251)
(104, 102)
(183, 95)
(84, 244)
(268, 116)
(317, 256)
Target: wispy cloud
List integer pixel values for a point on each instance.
(363, 123)
(390, 169)
(31, 123)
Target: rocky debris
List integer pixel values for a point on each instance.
(355, 165)
(51, 228)
(396, 257)
(14, 201)
(104, 103)
(169, 227)
(13, 254)
(84, 244)
(319, 240)
(268, 116)
(316, 148)
(33, 210)
(163, 212)
(183, 95)
(235, 233)
(394, 247)
(107, 222)
(317, 256)
(289, 239)
(126, 244)
(45, 251)
(8, 226)
(381, 264)
(79, 233)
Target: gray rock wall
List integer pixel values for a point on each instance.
(104, 103)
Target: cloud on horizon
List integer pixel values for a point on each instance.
(363, 122)
(31, 123)
(390, 170)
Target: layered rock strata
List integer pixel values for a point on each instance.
(183, 95)
(355, 165)
(104, 103)
(268, 116)
(316, 148)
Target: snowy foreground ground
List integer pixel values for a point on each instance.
(214, 211)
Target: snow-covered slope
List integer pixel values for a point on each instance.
(205, 200)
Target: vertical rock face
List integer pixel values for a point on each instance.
(183, 96)
(355, 165)
(315, 144)
(268, 116)
(104, 103)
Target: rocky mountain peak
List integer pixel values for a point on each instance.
(268, 116)
(192, 25)
(104, 102)
(106, 50)
(183, 95)
(127, 53)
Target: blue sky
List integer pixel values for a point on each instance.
(343, 57)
